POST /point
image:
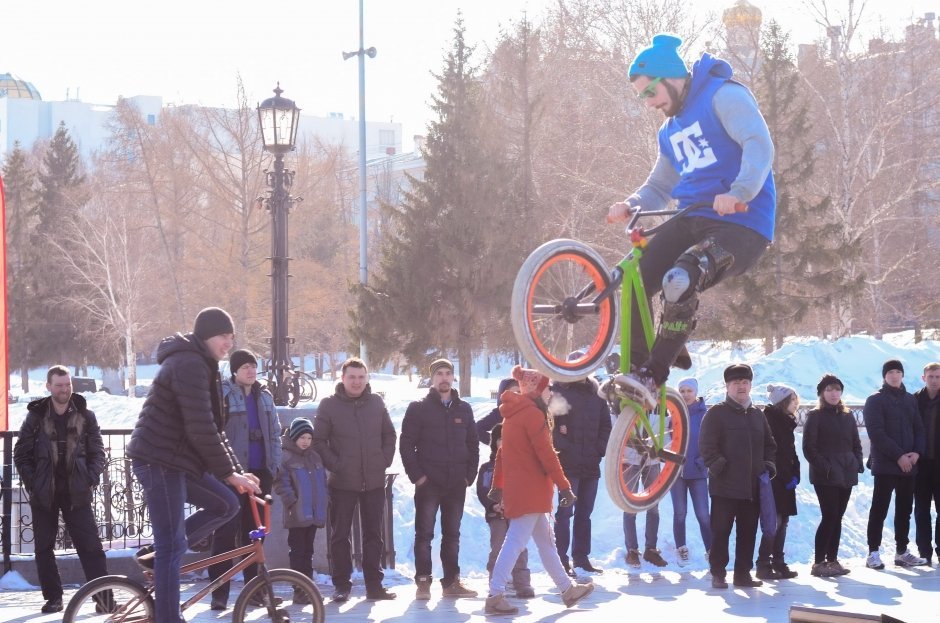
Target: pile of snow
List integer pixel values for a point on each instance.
(800, 363)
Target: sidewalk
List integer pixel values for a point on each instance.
(909, 595)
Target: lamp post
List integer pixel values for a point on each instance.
(279, 118)
(363, 216)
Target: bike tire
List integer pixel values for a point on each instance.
(128, 601)
(555, 272)
(285, 583)
(629, 432)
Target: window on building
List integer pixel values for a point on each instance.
(151, 120)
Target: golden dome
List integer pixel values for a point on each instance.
(16, 88)
(743, 13)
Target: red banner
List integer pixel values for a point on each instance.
(4, 361)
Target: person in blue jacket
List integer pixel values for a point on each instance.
(301, 485)
(714, 149)
(693, 481)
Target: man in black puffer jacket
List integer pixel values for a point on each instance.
(927, 480)
(179, 455)
(441, 454)
(896, 433)
(737, 447)
(60, 456)
(581, 442)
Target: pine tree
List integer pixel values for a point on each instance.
(443, 265)
(21, 213)
(797, 271)
(61, 195)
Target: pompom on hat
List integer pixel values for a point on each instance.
(661, 59)
(530, 381)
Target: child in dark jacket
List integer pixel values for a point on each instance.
(498, 524)
(301, 484)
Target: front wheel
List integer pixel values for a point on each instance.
(109, 598)
(557, 327)
(296, 599)
(645, 453)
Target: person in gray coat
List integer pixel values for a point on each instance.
(253, 430)
(353, 433)
(896, 433)
(737, 447)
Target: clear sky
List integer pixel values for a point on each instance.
(190, 51)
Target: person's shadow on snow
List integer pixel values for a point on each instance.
(851, 588)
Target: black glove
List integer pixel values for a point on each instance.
(495, 495)
(771, 469)
(566, 497)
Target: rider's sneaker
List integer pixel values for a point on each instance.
(640, 386)
(144, 557)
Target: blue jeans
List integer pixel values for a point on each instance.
(586, 491)
(166, 491)
(430, 497)
(652, 515)
(680, 492)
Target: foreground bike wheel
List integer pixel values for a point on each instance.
(297, 599)
(632, 458)
(110, 598)
(552, 315)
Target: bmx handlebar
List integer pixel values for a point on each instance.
(267, 503)
(637, 213)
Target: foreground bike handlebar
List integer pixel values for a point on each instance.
(263, 528)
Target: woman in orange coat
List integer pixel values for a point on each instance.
(527, 472)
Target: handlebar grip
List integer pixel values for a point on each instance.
(740, 207)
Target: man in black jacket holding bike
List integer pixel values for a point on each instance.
(59, 455)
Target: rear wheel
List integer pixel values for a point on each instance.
(552, 312)
(641, 463)
(296, 599)
(110, 598)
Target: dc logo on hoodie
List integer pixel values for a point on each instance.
(691, 149)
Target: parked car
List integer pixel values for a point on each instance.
(81, 384)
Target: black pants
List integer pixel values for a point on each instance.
(80, 523)
(234, 534)
(770, 551)
(744, 515)
(903, 489)
(300, 542)
(371, 514)
(430, 497)
(678, 235)
(832, 504)
(927, 494)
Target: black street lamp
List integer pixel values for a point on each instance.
(279, 119)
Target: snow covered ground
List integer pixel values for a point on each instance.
(800, 363)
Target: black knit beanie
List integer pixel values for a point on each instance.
(211, 322)
(495, 435)
(891, 364)
(298, 427)
(827, 380)
(239, 358)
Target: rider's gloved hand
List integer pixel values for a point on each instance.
(566, 497)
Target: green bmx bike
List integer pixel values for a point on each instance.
(565, 300)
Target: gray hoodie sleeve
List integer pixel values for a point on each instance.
(656, 191)
(737, 111)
